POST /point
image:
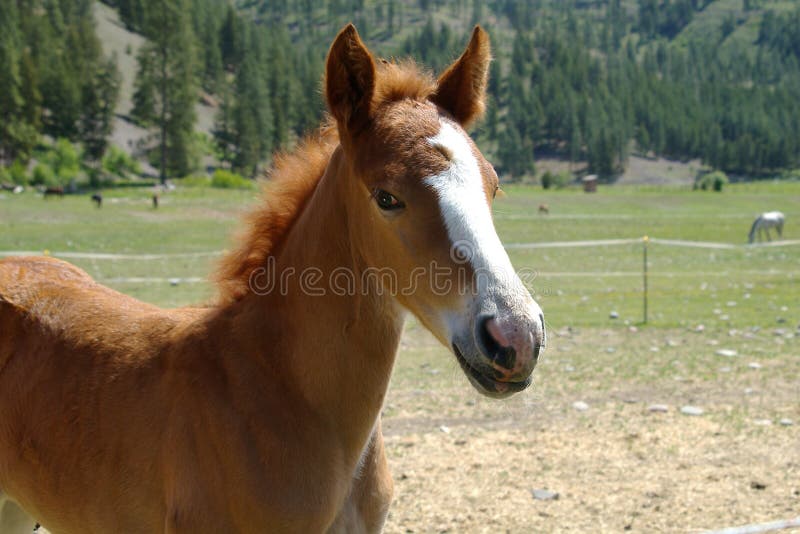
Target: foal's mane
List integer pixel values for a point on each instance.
(294, 176)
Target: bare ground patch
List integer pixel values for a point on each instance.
(462, 463)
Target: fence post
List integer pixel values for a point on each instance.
(645, 240)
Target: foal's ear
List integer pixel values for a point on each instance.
(462, 87)
(349, 80)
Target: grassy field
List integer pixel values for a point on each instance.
(577, 286)
(463, 463)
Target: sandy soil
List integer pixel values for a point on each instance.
(616, 468)
(465, 464)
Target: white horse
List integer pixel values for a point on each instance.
(763, 224)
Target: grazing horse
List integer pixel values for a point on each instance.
(97, 198)
(54, 192)
(544, 209)
(763, 224)
(260, 412)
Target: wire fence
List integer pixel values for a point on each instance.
(508, 246)
(148, 272)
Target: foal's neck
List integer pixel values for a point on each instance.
(339, 342)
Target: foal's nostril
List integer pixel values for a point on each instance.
(497, 346)
(487, 339)
(506, 357)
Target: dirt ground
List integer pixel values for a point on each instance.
(462, 463)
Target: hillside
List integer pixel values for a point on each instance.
(117, 41)
(592, 84)
(653, 56)
(124, 44)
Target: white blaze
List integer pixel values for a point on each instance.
(468, 219)
(466, 213)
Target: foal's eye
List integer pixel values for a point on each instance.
(387, 201)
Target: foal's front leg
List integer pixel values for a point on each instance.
(371, 492)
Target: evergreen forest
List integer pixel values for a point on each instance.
(589, 82)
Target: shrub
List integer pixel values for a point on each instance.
(547, 179)
(715, 181)
(563, 179)
(720, 181)
(557, 180)
(196, 180)
(120, 163)
(230, 180)
(204, 145)
(96, 176)
(792, 175)
(64, 160)
(18, 172)
(43, 174)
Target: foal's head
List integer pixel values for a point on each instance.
(419, 203)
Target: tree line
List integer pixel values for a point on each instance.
(54, 78)
(586, 81)
(262, 83)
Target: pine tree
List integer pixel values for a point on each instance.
(61, 88)
(99, 100)
(252, 118)
(166, 84)
(10, 79)
(132, 13)
(32, 98)
(280, 86)
(648, 17)
(224, 133)
(230, 39)
(17, 135)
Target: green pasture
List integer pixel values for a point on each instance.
(739, 287)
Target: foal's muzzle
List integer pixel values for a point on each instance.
(500, 355)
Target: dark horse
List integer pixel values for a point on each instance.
(54, 192)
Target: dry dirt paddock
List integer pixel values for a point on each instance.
(462, 463)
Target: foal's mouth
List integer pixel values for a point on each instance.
(486, 384)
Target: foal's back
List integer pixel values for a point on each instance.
(73, 356)
(50, 300)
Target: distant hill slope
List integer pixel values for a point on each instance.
(580, 80)
(706, 24)
(118, 40)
